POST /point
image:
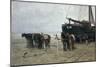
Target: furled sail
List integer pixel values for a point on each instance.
(91, 17)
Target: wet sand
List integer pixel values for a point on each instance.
(82, 53)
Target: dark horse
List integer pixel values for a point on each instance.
(36, 40)
(33, 39)
(29, 39)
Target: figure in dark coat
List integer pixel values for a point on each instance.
(65, 40)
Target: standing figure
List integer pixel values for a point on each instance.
(72, 38)
(65, 40)
(86, 39)
(57, 43)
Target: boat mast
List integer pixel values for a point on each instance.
(91, 18)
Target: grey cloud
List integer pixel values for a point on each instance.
(41, 17)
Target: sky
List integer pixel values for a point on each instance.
(30, 17)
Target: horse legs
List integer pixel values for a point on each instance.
(86, 41)
(44, 46)
(64, 46)
(70, 44)
(73, 46)
(29, 43)
(48, 43)
(34, 44)
(39, 45)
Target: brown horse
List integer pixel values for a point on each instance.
(46, 40)
(68, 41)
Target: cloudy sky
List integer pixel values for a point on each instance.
(44, 17)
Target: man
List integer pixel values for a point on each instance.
(72, 37)
(65, 40)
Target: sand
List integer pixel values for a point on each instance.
(82, 53)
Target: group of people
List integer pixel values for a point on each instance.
(68, 41)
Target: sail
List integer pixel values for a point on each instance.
(91, 17)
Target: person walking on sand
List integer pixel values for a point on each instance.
(65, 40)
(72, 37)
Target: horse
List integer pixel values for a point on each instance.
(33, 39)
(29, 39)
(46, 40)
(37, 38)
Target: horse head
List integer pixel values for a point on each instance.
(23, 34)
